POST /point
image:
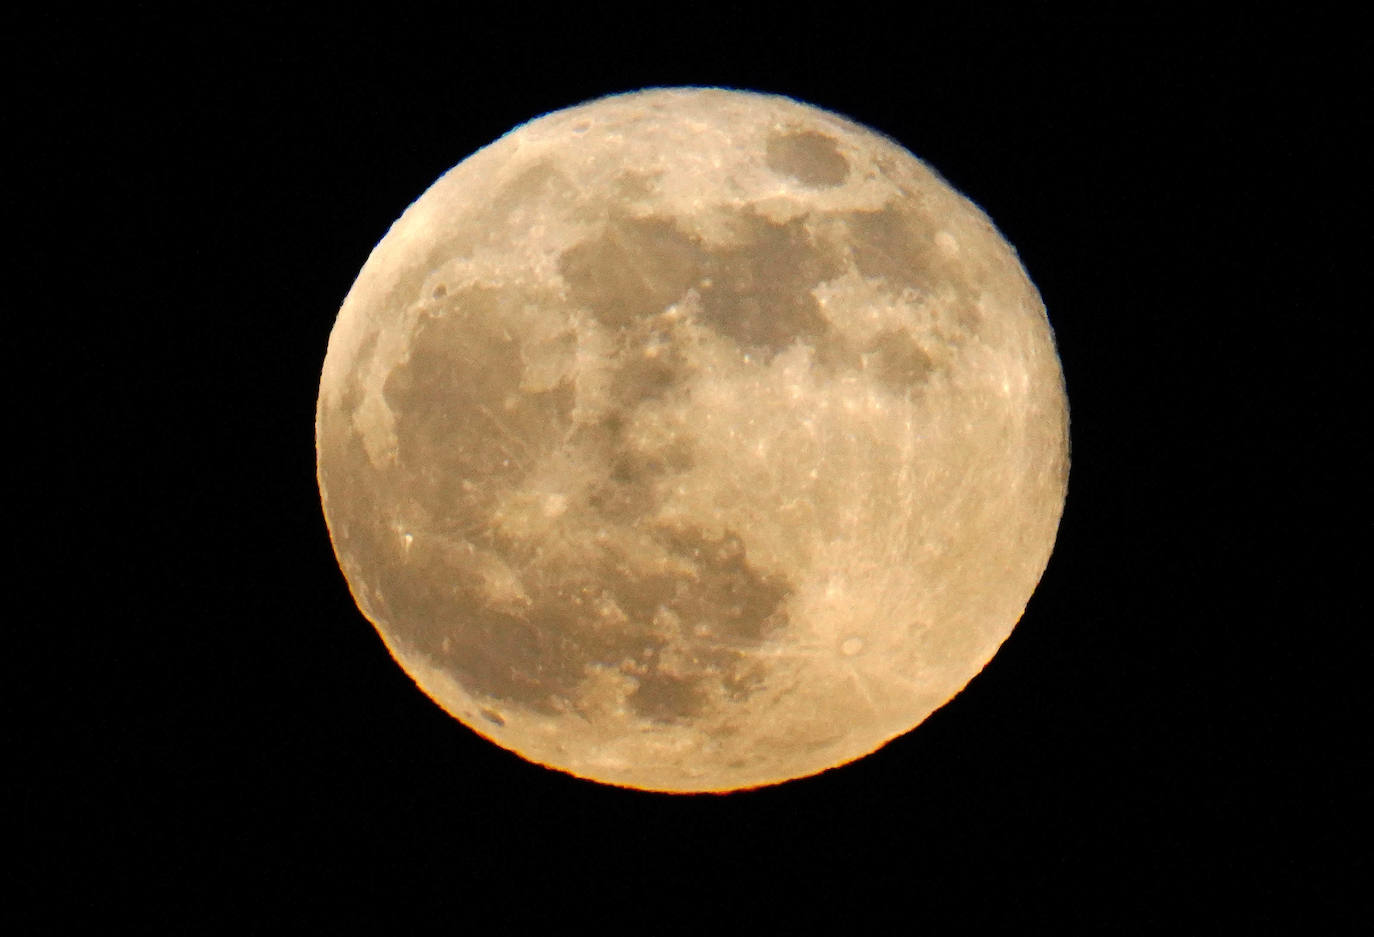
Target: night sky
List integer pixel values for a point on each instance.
(209, 732)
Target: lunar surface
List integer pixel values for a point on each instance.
(692, 440)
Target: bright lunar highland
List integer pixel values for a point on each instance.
(692, 440)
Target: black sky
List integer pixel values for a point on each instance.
(212, 732)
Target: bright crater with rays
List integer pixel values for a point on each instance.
(692, 440)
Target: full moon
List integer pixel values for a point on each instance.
(692, 440)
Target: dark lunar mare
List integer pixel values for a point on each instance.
(467, 434)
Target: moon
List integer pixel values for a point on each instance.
(692, 440)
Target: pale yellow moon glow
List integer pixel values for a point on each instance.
(692, 440)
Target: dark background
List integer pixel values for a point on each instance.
(208, 731)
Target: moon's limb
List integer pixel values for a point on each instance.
(692, 440)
